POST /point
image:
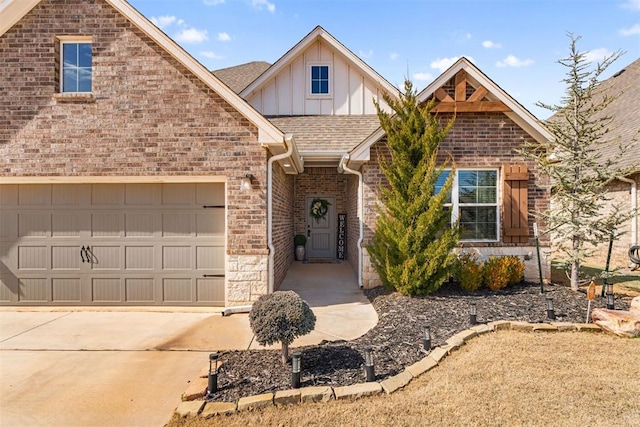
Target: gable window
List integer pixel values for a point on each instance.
(75, 72)
(320, 80)
(473, 202)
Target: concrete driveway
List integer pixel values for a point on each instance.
(130, 368)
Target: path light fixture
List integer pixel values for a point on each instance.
(550, 313)
(295, 369)
(213, 374)
(473, 312)
(245, 183)
(426, 340)
(369, 369)
(610, 304)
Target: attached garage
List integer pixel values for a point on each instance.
(112, 244)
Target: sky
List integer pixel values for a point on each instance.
(516, 43)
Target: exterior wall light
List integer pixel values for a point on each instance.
(295, 369)
(550, 313)
(213, 374)
(369, 369)
(426, 340)
(245, 183)
(473, 313)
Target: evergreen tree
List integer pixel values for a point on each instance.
(412, 245)
(576, 218)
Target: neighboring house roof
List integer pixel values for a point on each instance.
(240, 76)
(625, 111)
(327, 133)
(488, 95)
(12, 11)
(302, 45)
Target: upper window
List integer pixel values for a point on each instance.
(76, 67)
(474, 202)
(319, 79)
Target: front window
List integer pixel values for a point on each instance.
(76, 67)
(473, 202)
(319, 79)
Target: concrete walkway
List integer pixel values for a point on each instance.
(126, 368)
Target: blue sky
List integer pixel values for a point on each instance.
(517, 43)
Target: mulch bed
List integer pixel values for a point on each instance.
(397, 338)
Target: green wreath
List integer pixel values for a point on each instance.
(319, 209)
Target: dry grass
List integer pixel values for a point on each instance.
(507, 378)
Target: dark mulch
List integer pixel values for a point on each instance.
(397, 338)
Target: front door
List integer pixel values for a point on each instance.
(321, 231)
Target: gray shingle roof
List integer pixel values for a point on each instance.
(240, 76)
(327, 133)
(625, 111)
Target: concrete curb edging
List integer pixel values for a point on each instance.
(191, 407)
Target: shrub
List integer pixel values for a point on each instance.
(515, 269)
(469, 271)
(299, 240)
(281, 317)
(495, 273)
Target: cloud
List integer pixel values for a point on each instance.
(422, 77)
(394, 56)
(632, 4)
(212, 2)
(211, 55)
(224, 37)
(596, 55)
(191, 35)
(441, 64)
(163, 21)
(491, 45)
(631, 31)
(365, 55)
(262, 4)
(514, 61)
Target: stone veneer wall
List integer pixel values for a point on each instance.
(476, 140)
(147, 116)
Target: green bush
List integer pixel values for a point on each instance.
(469, 271)
(281, 317)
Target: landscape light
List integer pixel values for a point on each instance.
(473, 312)
(213, 374)
(295, 369)
(426, 340)
(610, 304)
(369, 369)
(550, 312)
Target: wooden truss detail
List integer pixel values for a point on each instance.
(475, 103)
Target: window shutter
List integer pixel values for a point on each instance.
(515, 199)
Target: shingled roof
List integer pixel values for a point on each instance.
(327, 133)
(625, 111)
(240, 76)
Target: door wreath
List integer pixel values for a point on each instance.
(319, 209)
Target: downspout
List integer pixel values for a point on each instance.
(634, 208)
(343, 165)
(288, 140)
(289, 143)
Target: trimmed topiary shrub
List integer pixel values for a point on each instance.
(281, 317)
(469, 271)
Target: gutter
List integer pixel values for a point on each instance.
(634, 208)
(288, 140)
(345, 168)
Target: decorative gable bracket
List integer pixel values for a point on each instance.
(461, 103)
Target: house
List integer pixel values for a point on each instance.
(132, 175)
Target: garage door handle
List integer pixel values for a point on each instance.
(82, 255)
(213, 275)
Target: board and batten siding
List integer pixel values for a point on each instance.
(287, 93)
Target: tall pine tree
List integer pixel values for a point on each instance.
(412, 245)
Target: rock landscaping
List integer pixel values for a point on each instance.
(331, 368)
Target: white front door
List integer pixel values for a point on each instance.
(321, 231)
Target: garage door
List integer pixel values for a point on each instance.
(112, 244)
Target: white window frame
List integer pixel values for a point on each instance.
(310, 65)
(455, 202)
(73, 40)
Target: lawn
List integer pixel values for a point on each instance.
(506, 378)
(624, 281)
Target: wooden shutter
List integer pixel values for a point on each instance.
(515, 198)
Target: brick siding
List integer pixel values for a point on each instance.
(283, 185)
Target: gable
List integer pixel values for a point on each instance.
(285, 89)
